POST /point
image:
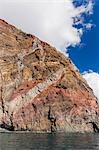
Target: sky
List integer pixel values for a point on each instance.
(72, 26)
(86, 56)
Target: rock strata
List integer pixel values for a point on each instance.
(40, 89)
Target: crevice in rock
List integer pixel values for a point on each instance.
(11, 121)
(95, 127)
(52, 120)
(34, 107)
(2, 101)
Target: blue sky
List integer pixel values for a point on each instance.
(86, 56)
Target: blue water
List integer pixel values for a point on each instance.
(59, 141)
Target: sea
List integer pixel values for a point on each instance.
(48, 141)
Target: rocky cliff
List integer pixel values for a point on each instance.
(40, 89)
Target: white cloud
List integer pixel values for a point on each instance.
(89, 25)
(92, 79)
(50, 20)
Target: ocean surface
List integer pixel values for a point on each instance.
(55, 141)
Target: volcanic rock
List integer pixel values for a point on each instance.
(40, 89)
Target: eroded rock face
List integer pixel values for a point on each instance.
(40, 90)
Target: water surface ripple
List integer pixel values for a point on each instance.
(56, 141)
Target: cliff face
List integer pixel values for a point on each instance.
(40, 89)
